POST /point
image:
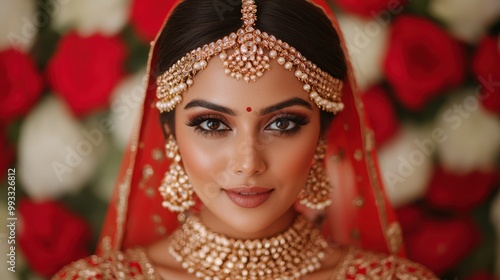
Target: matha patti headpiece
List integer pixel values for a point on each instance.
(248, 61)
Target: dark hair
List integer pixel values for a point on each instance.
(194, 23)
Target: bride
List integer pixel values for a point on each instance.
(257, 104)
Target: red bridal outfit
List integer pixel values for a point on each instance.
(360, 218)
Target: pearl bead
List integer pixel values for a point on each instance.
(307, 87)
(273, 54)
(288, 65)
(223, 56)
(281, 60)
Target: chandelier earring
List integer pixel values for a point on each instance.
(316, 192)
(175, 189)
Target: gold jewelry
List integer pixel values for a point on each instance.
(249, 62)
(316, 193)
(209, 255)
(175, 189)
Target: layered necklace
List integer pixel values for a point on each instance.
(208, 255)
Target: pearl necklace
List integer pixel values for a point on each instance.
(209, 255)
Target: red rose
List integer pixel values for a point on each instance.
(20, 82)
(381, 114)
(409, 217)
(442, 244)
(51, 236)
(422, 60)
(485, 66)
(148, 16)
(459, 192)
(372, 8)
(84, 70)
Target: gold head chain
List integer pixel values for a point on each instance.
(248, 61)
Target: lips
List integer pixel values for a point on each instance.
(248, 197)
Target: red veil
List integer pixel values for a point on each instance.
(360, 214)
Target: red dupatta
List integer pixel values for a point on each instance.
(360, 214)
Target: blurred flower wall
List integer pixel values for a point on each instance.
(71, 75)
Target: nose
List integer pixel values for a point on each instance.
(248, 158)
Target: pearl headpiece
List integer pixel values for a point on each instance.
(249, 61)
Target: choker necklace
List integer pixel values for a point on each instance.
(208, 255)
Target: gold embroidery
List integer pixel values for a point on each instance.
(161, 230)
(150, 192)
(370, 140)
(157, 218)
(374, 266)
(339, 156)
(395, 236)
(106, 244)
(157, 154)
(359, 202)
(147, 172)
(133, 264)
(358, 155)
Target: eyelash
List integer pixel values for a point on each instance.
(198, 120)
(297, 119)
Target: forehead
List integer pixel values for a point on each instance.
(212, 84)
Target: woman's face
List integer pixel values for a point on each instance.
(246, 147)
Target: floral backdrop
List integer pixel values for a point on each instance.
(71, 75)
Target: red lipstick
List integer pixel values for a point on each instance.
(248, 197)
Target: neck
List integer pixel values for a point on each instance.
(292, 254)
(215, 224)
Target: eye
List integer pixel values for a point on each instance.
(208, 125)
(213, 125)
(287, 124)
(282, 124)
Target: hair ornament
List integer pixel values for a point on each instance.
(244, 58)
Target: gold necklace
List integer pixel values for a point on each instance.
(208, 255)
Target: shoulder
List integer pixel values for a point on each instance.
(130, 264)
(370, 265)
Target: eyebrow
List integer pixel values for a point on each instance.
(209, 105)
(225, 110)
(285, 104)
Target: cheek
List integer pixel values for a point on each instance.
(292, 165)
(205, 167)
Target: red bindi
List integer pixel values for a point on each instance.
(249, 109)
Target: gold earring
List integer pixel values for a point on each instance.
(316, 192)
(175, 189)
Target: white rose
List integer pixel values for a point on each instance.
(127, 100)
(466, 19)
(366, 42)
(473, 135)
(19, 23)
(406, 165)
(91, 16)
(57, 154)
(106, 177)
